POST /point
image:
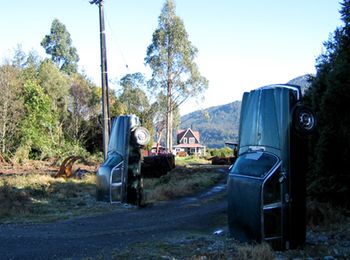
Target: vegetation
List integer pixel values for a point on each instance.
(180, 182)
(36, 196)
(221, 152)
(217, 125)
(329, 96)
(50, 110)
(171, 57)
(190, 160)
(58, 44)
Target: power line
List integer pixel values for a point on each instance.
(116, 43)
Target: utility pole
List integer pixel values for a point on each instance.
(104, 78)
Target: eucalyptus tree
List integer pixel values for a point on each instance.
(171, 58)
(58, 44)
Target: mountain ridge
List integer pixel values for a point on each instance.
(220, 124)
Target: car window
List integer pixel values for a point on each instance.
(256, 164)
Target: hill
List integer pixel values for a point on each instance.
(302, 81)
(220, 124)
(216, 125)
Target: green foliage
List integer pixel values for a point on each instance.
(40, 130)
(329, 96)
(221, 152)
(11, 108)
(55, 84)
(83, 105)
(133, 98)
(58, 44)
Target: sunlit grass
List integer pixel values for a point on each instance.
(181, 181)
(38, 197)
(181, 161)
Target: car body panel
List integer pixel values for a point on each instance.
(265, 202)
(121, 148)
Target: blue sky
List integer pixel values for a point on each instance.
(242, 44)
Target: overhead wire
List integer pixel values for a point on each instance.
(114, 38)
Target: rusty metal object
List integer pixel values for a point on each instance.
(66, 167)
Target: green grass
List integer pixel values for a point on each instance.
(188, 160)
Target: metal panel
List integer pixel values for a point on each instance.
(265, 126)
(118, 151)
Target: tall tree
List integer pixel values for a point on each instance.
(329, 96)
(58, 44)
(171, 57)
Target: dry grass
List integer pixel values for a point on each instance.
(195, 247)
(39, 197)
(181, 181)
(29, 193)
(260, 252)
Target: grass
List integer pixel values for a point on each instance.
(42, 198)
(31, 194)
(181, 181)
(188, 160)
(195, 247)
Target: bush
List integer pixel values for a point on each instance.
(221, 152)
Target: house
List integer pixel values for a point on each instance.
(188, 142)
(157, 148)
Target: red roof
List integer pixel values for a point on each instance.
(188, 146)
(181, 133)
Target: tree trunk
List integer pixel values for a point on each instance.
(168, 119)
(169, 122)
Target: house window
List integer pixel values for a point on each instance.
(185, 140)
(192, 140)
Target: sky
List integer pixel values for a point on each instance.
(242, 45)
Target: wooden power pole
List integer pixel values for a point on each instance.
(104, 78)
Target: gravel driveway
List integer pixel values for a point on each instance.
(97, 236)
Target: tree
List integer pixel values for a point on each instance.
(11, 108)
(171, 57)
(82, 106)
(40, 129)
(56, 85)
(133, 97)
(58, 44)
(329, 96)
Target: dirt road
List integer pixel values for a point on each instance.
(99, 236)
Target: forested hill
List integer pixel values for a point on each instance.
(220, 124)
(216, 125)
